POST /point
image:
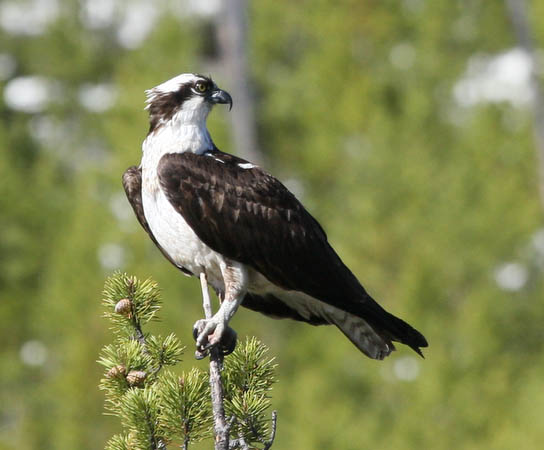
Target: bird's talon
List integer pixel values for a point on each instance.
(200, 354)
(208, 334)
(228, 341)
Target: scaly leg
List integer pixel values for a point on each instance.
(214, 330)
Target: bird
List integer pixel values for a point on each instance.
(230, 223)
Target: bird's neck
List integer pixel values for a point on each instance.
(186, 131)
(183, 133)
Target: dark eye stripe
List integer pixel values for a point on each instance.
(165, 104)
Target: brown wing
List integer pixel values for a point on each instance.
(269, 305)
(249, 216)
(132, 183)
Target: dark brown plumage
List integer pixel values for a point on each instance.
(249, 216)
(241, 231)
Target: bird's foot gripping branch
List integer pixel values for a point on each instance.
(204, 330)
(160, 407)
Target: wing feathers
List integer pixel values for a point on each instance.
(285, 244)
(363, 336)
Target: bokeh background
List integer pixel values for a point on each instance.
(406, 127)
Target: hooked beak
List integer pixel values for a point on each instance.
(220, 96)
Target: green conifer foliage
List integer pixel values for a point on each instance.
(249, 376)
(158, 407)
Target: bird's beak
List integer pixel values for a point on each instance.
(220, 96)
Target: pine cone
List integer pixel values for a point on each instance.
(116, 371)
(124, 307)
(136, 377)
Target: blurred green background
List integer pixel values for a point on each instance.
(404, 126)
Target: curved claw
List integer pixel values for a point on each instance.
(208, 334)
(196, 331)
(200, 355)
(204, 332)
(228, 341)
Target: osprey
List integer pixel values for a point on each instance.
(228, 222)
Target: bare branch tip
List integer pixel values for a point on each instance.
(272, 431)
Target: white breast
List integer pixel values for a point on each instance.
(177, 238)
(186, 131)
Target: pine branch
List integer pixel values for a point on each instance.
(221, 427)
(140, 413)
(118, 442)
(249, 375)
(163, 352)
(158, 408)
(270, 441)
(129, 304)
(185, 404)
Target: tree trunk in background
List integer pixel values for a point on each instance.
(517, 10)
(232, 38)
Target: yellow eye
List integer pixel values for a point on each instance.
(201, 87)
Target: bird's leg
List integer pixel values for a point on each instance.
(201, 353)
(206, 302)
(214, 330)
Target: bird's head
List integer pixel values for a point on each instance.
(188, 98)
